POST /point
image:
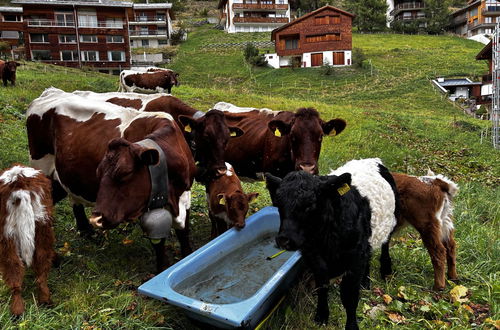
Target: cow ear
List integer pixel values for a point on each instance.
(334, 126)
(252, 196)
(337, 185)
(279, 127)
(149, 156)
(221, 199)
(188, 124)
(272, 184)
(18, 64)
(176, 75)
(235, 131)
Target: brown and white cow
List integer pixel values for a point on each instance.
(227, 202)
(277, 142)
(206, 133)
(8, 72)
(156, 81)
(26, 234)
(96, 151)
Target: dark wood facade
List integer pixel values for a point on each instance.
(11, 26)
(325, 29)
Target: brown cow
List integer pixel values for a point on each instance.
(26, 234)
(227, 203)
(277, 142)
(157, 81)
(427, 204)
(71, 137)
(207, 134)
(8, 72)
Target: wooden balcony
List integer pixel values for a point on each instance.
(277, 20)
(491, 11)
(407, 6)
(260, 6)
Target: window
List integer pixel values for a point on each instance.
(90, 55)
(88, 38)
(67, 39)
(114, 22)
(323, 20)
(145, 43)
(162, 42)
(291, 43)
(69, 55)
(12, 18)
(114, 39)
(10, 35)
(116, 56)
(39, 37)
(324, 37)
(65, 19)
(87, 19)
(41, 55)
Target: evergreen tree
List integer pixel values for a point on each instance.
(437, 16)
(370, 14)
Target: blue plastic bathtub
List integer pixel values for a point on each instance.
(229, 282)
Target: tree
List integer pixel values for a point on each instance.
(370, 14)
(437, 16)
(4, 48)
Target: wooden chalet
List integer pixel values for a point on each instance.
(11, 26)
(322, 37)
(487, 80)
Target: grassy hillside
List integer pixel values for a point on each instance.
(392, 112)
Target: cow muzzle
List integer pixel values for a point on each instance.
(308, 168)
(96, 221)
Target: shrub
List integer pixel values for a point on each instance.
(251, 54)
(358, 56)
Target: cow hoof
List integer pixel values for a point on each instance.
(438, 288)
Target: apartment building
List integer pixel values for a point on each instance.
(479, 17)
(11, 26)
(405, 11)
(253, 15)
(151, 25)
(322, 37)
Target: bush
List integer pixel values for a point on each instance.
(251, 54)
(327, 69)
(178, 36)
(358, 56)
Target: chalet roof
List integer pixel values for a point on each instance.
(11, 9)
(273, 33)
(485, 53)
(93, 3)
(457, 82)
(163, 5)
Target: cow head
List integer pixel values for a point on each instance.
(11, 67)
(305, 133)
(210, 135)
(299, 197)
(124, 183)
(236, 205)
(171, 78)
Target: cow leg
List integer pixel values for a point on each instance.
(58, 192)
(385, 260)
(319, 269)
(183, 237)
(432, 241)
(82, 223)
(349, 294)
(13, 274)
(365, 280)
(213, 221)
(451, 256)
(221, 226)
(42, 261)
(162, 255)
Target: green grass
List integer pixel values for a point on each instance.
(393, 113)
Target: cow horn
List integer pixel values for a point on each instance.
(96, 221)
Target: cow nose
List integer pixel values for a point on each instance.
(308, 168)
(239, 225)
(96, 220)
(221, 171)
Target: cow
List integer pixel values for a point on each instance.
(156, 81)
(427, 204)
(336, 221)
(109, 156)
(26, 233)
(277, 142)
(206, 133)
(227, 202)
(8, 72)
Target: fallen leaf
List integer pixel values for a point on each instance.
(132, 306)
(65, 250)
(127, 241)
(459, 293)
(468, 308)
(495, 323)
(378, 291)
(376, 310)
(387, 299)
(401, 293)
(396, 318)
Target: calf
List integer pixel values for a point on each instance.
(335, 221)
(427, 204)
(26, 235)
(8, 72)
(152, 81)
(227, 203)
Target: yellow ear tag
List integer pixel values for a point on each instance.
(187, 128)
(222, 201)
(277, 133)
(333, 132)
(344, 189)
(232, 134)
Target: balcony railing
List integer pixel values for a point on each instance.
(491, 10)
(260, 20)
(139, 19)
(260, 6)
(480, 24)
(408, 6)
(91, 25)
(148, 33)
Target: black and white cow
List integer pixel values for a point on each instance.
(335, 221)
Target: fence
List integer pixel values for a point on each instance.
(261, 44)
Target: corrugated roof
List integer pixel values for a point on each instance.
(456, 82)
(95, 3)
(164, 5)
(11, 9)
